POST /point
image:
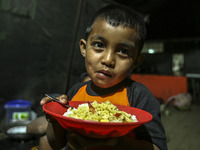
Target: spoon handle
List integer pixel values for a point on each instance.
(56, 100)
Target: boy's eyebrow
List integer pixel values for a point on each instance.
(128, 44)
(98, 37)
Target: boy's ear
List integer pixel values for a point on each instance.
(138, 61)
(83, 47)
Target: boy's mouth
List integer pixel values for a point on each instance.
(104, 73)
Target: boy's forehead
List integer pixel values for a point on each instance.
(103, 28)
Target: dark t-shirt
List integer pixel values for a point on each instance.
(138, 96)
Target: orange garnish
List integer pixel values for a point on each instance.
(91, 108)
(117, 115)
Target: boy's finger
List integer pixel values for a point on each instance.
(45, 100)
(63, 99)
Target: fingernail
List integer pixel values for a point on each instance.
(41, 103)
(63, 100)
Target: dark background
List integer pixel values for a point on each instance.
(39, 42)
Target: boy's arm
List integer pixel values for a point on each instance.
(56, 134)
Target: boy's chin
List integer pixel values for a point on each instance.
(105, 85)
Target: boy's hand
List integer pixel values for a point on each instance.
(79, 142)
(63, 99)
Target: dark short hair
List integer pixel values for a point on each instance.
(117, 15)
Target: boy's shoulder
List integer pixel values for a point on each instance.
(129, 83)
(138, 93)
(74, 89)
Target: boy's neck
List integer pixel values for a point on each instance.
(104, 91)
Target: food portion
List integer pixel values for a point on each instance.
(102, 112)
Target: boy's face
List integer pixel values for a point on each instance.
(110, 53)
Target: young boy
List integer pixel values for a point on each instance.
(114, 40)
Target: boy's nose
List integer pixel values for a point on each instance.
(108, 59)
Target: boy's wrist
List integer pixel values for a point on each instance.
(49, 118)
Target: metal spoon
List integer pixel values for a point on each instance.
(56, 100)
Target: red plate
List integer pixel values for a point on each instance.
(93, 128)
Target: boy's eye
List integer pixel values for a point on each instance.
(124, 52)
(97, 44)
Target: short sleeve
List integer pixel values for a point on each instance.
(140, 97)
